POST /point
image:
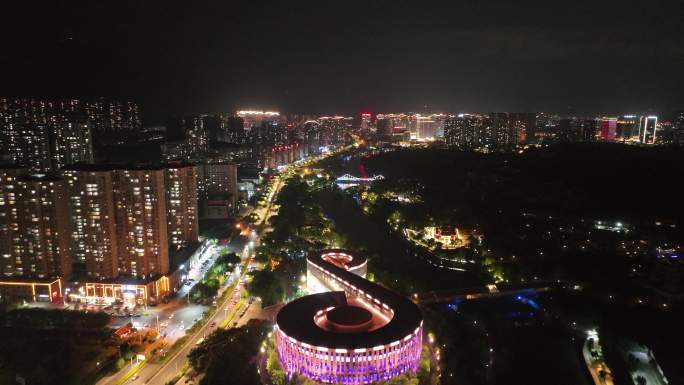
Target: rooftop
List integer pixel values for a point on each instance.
(297, 318)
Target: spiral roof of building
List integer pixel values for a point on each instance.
(306, 320)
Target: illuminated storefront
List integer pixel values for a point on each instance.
(127, 291)
(49, 290)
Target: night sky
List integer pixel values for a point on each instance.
(345, 56)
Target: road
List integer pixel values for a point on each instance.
(179, 314)
(162, 374)
(596, 365)
(155, 374)
(645, 364)
(175, 318)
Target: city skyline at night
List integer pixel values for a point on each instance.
(381, 56)
(385, 192)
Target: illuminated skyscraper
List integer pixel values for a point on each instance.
(608, 129)
(48, 135)
(426, 127)
(459, 131)
(366, 123)
(9, 216)
(93, 235)
(384, 127)
(521, 125)
(34, 226)
(217, 182)
(109, 116)
(141, 221)
(124, 218)
(502, 134)
(648, 126)
(181, 204)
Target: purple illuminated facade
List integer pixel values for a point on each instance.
(357, 333)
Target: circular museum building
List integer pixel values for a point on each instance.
(350, 331)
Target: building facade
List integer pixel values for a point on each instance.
(181, 204)
(34, 226)
(141, 227)
(217, 183)
(51, 134)
(93, 236)
(353, 332)
(648, 126)
(608, 129)
(460, 131)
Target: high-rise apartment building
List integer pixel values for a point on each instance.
(141, 222)
(502, 134)
(217, 178)
(50, 134)
(190, 132)
(577, 130)
(34, 226)
(384, 127)
(235, 130)
(181, 204)
(218, 190)
(112, 116)
(522, 125)
(93, 235)
(125, 218)
(459, 131)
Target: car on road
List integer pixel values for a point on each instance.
(135, 377)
